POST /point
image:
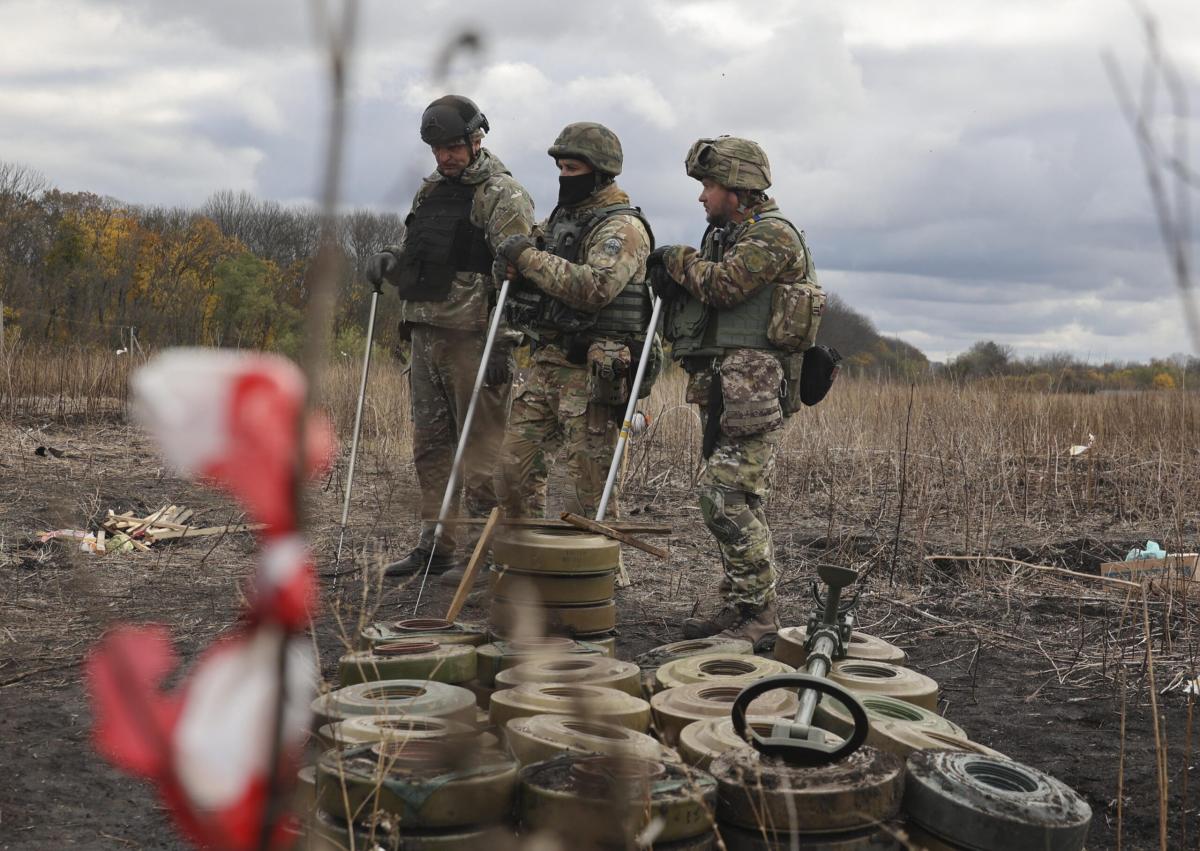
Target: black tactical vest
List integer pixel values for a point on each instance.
(624, 318)
(440, 242)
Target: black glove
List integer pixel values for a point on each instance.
(499, 269)
(498, 371)
(380, 266)
(661, 282)
(513, 247)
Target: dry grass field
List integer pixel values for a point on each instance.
(1083, 679)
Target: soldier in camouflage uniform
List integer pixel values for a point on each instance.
(581, 299)
(461, 213)
(718, 312)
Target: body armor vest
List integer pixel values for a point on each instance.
(624, 318)
(696, 329)
(440, 242)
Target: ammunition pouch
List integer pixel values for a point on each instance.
(608, 373)
(750, 382)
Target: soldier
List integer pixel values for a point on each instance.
(461, 213)
(583, 303)
(722, 321)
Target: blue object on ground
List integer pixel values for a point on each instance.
(1151, 550)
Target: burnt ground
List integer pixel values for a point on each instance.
(1028, 663)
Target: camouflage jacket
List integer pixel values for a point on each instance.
(614, 255)
(501, 207)
(756, 253)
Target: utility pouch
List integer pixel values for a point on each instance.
(817, 375)
(575, 348)
(608, 373)
(523, 306)
(653, 367)
(687, 318)
(750, 382)
(796, 311)
(789, 391)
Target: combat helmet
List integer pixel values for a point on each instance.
(451, 119)
(732, 162)
(593, 143)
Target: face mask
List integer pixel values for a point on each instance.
(577, 187)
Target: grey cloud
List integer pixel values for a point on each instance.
(954, 191)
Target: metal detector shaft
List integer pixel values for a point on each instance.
(452, 481)
(818, 666)
(362, 395)
(627, 422)
(826, 639)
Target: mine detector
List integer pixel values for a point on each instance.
(798, 742)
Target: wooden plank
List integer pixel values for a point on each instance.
(477, 557)
(550, 523)
(210, 530)
(148, 521)
(615, 534)
(1175, 565)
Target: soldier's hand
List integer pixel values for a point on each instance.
(502, 270)
(513, 247)
(498, 371)
(661, 282)
(380, 266)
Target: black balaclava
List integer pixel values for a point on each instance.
(577, 187)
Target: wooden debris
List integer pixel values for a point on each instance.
(468, 580)
(616, 534)
(166, 524)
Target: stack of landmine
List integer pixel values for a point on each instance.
(556, 582)
(565, 750)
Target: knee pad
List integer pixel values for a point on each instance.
(725, 512)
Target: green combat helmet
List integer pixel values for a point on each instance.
(732, 162)
(593, 143)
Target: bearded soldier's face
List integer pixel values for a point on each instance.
(719, 203)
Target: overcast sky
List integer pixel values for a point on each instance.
(960, 166)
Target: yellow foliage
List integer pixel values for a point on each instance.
(1164, 381)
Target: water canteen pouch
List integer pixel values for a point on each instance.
(608, 372)
(796, 311)
(750, 382)
(796, 308)
(817, 375)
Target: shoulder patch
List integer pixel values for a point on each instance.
(612, 246)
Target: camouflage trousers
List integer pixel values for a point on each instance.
(552, 412)
(733, 486)
(444, 365)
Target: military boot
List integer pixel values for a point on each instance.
(452, 577)
(727, 618)
(760, 626)
(415, 562)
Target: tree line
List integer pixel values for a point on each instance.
(990, 361)
(80, 268)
